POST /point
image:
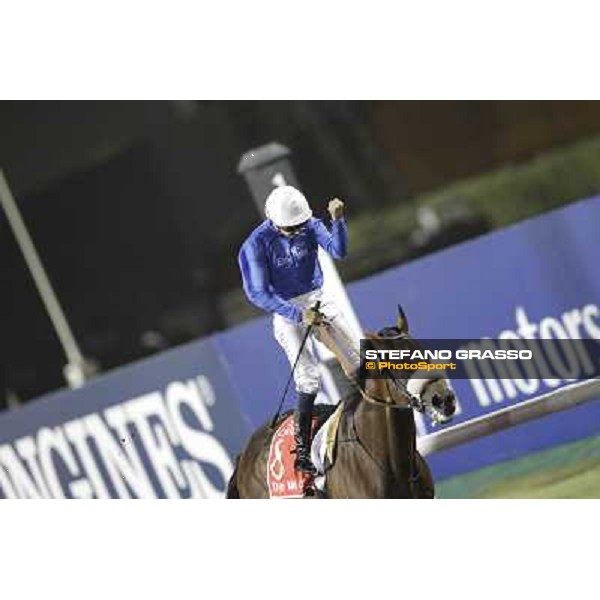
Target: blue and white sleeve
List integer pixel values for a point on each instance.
(334, 242)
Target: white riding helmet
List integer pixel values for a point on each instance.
(287, 207)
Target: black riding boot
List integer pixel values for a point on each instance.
(302, 433)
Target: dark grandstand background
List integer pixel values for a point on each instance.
(137, 211)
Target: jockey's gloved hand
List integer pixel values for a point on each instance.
(336, 209)
(312, 316)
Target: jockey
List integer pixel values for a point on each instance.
(281, 275)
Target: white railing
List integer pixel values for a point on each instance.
(561, 399)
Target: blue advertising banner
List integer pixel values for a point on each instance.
(167, 427)
(537, 278)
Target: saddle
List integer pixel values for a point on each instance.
(282, 479)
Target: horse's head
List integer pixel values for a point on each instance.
(432, 391)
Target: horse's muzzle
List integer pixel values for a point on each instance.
(444, 403)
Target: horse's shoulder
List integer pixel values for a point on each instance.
(346, 427)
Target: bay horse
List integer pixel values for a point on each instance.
(376, 454)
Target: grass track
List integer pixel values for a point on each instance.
(568, 471)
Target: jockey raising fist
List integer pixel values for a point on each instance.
(281, 274)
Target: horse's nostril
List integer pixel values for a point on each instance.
(450, 405)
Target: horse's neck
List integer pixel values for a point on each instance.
(388, 435)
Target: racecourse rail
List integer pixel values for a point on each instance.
(561, 399)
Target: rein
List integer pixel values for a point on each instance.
(413, 401)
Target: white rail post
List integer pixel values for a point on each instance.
(561, 399)
(77, 369)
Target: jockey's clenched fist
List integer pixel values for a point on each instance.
(336, 208)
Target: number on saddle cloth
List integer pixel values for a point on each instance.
(283, 481)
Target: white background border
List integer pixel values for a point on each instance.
(373, 549)
(310, 49)
(174, 550)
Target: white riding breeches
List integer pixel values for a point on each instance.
(290, 335)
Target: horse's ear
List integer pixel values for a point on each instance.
(402, 321)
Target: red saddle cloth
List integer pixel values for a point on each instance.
(282, 479)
